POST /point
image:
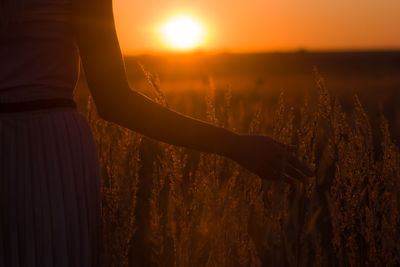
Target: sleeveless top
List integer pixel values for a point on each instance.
(39, 58)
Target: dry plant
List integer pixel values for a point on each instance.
(205, 210)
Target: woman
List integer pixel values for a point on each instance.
(49, 173)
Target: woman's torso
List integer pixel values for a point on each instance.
(38, 54)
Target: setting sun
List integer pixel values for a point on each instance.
(183, 32)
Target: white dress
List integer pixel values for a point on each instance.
(50, 198)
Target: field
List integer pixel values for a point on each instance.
(170, 206)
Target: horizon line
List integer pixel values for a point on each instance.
(271, 51)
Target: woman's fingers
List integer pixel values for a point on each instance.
(273, 160)
(286, 174)
(284, 171)
(293, 160)
(294, 173)
(289, 179)
(288, 159)
(299, 165)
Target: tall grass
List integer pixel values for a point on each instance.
(196, 209)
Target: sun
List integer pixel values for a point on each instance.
(183, 32)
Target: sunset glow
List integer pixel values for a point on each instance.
(183, 32)
(258, 25)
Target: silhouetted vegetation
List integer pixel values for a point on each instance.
(170, 206)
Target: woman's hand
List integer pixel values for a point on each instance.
(269, 159)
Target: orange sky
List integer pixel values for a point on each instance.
(263, 25)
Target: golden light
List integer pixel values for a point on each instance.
(183, 32)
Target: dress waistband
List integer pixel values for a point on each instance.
(41, 104)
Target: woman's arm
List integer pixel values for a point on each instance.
(116, 102)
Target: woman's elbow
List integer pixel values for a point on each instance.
(104, 110)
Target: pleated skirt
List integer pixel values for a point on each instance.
(50, 198)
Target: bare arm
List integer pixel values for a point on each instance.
(116, 102)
